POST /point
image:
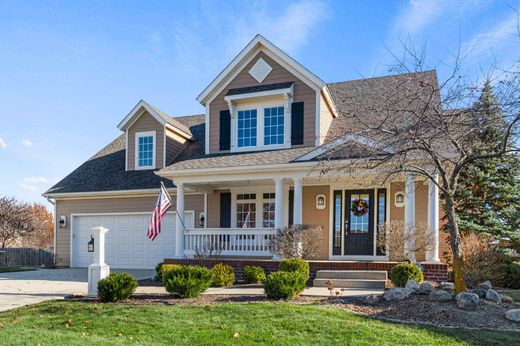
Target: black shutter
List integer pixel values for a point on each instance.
(297, 123)
(291, 207)
(225, 130)
(225, 209)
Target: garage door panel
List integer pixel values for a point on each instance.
(126, 243)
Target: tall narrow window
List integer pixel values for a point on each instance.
(247, 128)
(246, 210)
(145, 150)
(268, 210)
(381, 222)
(273, 125)
(338, 222)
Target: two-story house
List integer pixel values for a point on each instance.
(237, 173)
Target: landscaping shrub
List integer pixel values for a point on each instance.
(223, 275)
(284, 285)
(513, 276)
(166, 268)
(187, 281)
(253, 274)
(401, 273)
(158, 271)
(295, 265)
(116, 287)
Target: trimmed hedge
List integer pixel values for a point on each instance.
(295, 265)
(284, 285)
(401, 273)
(188, 281)
(253, 274)
(116, 287)
(223, 275)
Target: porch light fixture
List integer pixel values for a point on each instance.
(63, 221)
(202, 218)
(321, 201)
(399, 199)
(91, 244)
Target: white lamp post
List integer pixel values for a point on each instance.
(99, 269)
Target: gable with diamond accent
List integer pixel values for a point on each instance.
(260, 70)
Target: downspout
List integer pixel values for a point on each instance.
(53, 202)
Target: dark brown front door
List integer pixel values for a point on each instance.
(359, 226)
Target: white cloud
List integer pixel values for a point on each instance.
(34, 183)
(27, 142)
(503, 32)
(3, 145)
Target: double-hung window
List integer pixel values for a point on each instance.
(246, 210)
(260, 127)
(268, 210)
(145, 150)
(273, 125)
(247, 128)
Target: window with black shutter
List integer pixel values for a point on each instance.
(225, 209)
(225, 130)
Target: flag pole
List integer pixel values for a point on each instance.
(181, 217)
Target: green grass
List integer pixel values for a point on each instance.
(258, 323)
(14, 269)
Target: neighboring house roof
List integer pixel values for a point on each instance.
(259, 88)
(105, 171)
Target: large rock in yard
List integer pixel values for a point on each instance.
(440, 296)
(412, 286)
(486, 285)
(426, 288)
(467, 301)
(446, 286)
(479, 292)
(493, 296)
(372, 299)
(513, 315)
(396, 294)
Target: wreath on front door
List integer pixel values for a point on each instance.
(359, 207)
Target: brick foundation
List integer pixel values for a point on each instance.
(432, 272)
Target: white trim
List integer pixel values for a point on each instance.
(259, 41)
(164, 148)
(126, 150)
(285, 91)
(136, 145)
(72, 216)
(206, 130)
(113, 194)
(317, 122)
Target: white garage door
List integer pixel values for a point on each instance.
(126, 243)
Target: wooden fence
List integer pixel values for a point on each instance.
(25, 257)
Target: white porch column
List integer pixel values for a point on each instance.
(409, 215)
(433, 220)
(179, 223)
(298, 201)
(278, 203)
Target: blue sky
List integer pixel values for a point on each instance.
(71, 70)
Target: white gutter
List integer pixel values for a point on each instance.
(54, 231)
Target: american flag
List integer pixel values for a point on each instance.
(164, 203)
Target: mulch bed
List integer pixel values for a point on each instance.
(416, 309)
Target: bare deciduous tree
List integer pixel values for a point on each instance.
(413, 125)
(297, 241)
(393, 237)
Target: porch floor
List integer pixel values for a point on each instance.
(257, 290)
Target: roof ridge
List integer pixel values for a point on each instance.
(383, 77)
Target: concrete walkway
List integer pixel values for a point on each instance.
(255, 291)
(30, 287)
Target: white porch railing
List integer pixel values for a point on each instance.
(228, 242)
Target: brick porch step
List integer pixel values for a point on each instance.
(351, 278)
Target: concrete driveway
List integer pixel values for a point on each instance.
(23, 288)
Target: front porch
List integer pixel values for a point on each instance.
(243, 211)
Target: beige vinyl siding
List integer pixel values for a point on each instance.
(175, 144)
(213, 215)
(313, 216)
(325, 118)
(144, 123)
(302, 92)
(110, 205)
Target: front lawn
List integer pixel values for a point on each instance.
(75, 323)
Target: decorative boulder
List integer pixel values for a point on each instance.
(506, 299)
(396, 294)
(412, 286)
(440, 296)
(467, 301)
(446, 286)
(493, 296)
(486, 285)
(513, 315)
(426, 288)
(479, 292)
(372, 299)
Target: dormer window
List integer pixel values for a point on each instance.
(247, 128)
(145, 150)
(274, 125)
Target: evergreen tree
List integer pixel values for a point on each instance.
(489, 198)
